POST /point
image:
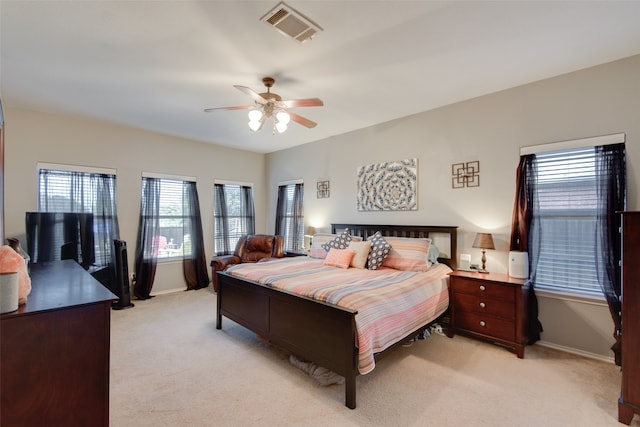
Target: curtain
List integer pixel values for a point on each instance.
(610, 168)
(297, 232)
(525, 236)
(247, 210)
(194, 260)
(281, 211)
(148, 228)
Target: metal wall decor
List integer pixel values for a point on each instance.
(465, 175)
(323, 189)
(388, 186)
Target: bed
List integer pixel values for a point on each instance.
(318, 330)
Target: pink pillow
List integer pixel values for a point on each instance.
(407, 254)
(340, 258)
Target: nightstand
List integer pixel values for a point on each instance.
(490, 307)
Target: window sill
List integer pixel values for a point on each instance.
(583, 298)
(169, 260)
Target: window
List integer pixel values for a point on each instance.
(567, 215)
(172, 237)
(233, 216)
(570, 193)
(87, 191)
(290, 216)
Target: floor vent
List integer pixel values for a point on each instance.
(291, 23)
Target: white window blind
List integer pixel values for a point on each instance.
(291, 221)
(567, 219)
(172, 240)
(238, 218)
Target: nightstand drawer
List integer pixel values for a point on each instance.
(486, 325)
(484, 306)
(484, 289)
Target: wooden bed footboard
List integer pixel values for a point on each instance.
(320, 332)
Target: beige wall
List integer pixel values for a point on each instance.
(491, 129)
(33, 137)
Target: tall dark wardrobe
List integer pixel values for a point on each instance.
(629, 402)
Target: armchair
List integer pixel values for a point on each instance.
(250, 248)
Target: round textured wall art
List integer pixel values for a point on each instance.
(388, 186)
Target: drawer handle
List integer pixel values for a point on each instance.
(482, 323)
(483, 305)
(482, 288)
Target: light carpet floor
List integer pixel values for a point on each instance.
(171, 367)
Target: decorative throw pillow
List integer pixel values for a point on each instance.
(361, 253)
(379, 251)
(409, 254)
(434, 253)
(316, 250)
(340, 242)
(339, 257)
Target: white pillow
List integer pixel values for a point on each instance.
(359, 260)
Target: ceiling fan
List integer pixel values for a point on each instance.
(268, 104)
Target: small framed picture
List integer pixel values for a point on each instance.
(323, 189)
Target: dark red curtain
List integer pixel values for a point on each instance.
(525, 200)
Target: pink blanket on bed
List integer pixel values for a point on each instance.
(390, 303)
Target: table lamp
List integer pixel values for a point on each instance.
(483, 241)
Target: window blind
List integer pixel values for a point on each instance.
(567, 201)
(233, 215)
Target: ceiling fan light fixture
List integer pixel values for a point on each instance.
(255, 125)
(255, 115)
(283, 117)
(281, 127)
(270, 105)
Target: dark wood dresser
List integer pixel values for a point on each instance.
(55, 351)
(488, 306)
(629, 402)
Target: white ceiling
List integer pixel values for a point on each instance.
(157, 64)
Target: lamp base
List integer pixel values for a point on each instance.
(483, 271)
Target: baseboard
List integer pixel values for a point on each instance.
(169, 291)
(576, 351)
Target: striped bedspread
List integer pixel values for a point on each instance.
(390, 303)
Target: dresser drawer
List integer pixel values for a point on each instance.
(484, 306)
(483, 289)
(486, 325)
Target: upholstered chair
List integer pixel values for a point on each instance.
(250, 248)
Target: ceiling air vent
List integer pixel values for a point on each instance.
(291, 23)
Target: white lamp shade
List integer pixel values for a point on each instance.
(281, 127)
(254, 125)
(283, 117)
(255, 115)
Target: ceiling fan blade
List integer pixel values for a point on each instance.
(309, 102)
(239, 107)
(252, 93)
(302, 120)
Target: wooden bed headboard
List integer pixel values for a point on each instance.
(444, 237)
